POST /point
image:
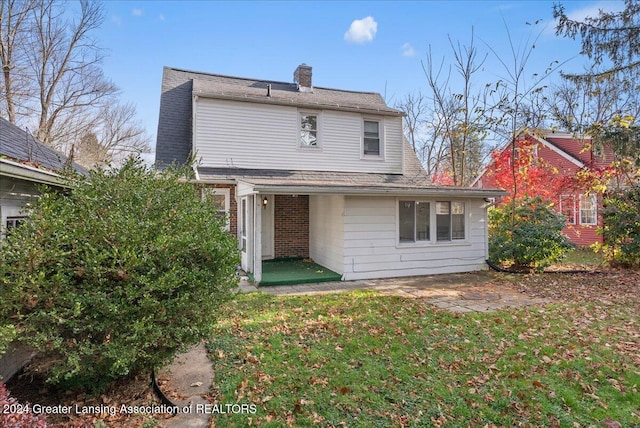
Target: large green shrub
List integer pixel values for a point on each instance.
(116, 276)
(621, 216)
(527, 234)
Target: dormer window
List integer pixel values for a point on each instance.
(308, 130)
(371, 146)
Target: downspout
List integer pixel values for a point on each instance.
(194, 147)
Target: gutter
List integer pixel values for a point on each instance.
(373, 191)
(23, 172)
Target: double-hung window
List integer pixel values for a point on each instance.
(220, 199)
(414, 221)
(588, 210)
(568, 208)
(309, 130)
(371, 138)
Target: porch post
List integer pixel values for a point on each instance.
(257, 239)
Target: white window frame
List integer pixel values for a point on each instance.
(594, 208)
(380, 155)
(318, 116)
(451, 238)
(433, 237)
(416, 239)
(9, 223)
(572, 198)
(226, 192)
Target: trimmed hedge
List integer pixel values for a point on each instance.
(117, 275)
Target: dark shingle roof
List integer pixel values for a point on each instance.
(288, 94)
(174, 137)
(22, 147)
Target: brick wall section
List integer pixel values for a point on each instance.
(233, 206)
(291, 226)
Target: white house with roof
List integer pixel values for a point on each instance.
(25, 164)
(318, 173)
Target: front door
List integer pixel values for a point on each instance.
(268, 209)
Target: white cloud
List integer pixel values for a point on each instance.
(362, 30)
(408, 50)
(594, 10)
(588, 11)
(136, 12)
(161, 17)
(116, 19)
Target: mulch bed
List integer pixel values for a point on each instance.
(105, 407)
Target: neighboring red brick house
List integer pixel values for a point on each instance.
(566, 167)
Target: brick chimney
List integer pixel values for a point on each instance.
(302, 76)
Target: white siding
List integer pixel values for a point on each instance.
(326, 231)
(14, 196)
(252, 135)
(371, 248)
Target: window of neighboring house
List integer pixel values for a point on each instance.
(13, 222)
(450, 221)
(414, 221)
(220, 198)
(309, 130)
(568, 208)
(372, 145)
(588, 209)
(597, 150)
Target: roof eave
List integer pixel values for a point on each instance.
(28, 173)
(294, 103)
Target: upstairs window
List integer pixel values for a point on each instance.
(308, 130)
(371, 138)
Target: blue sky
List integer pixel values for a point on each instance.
(369, 46)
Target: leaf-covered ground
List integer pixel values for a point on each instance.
(362, 359)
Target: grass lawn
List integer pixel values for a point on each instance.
(365, 360)
(584, 257)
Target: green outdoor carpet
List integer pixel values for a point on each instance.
(294, 271)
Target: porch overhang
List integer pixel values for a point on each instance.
(253, 188)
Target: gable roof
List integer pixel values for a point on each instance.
(564, 153)
(281, 93)
(174, 137)
(542, 140)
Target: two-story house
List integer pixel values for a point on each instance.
(566, 159)
(319, 173)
